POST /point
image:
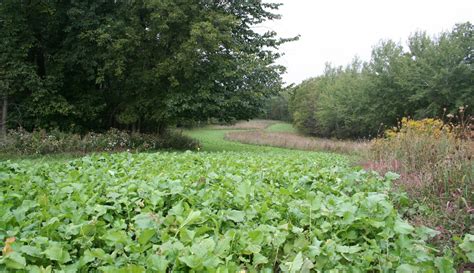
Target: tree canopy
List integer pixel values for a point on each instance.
(91, 65)
(430, 77)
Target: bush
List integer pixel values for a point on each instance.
(21, 142)
(435, 160)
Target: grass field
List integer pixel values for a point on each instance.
(228, 207)
(213, 141)
(278, 134)
(282, 127)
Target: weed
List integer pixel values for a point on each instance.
(435, 159)
(40, 142)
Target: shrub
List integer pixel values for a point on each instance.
(22, 142)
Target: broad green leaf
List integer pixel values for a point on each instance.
(192, 217)
(403, 227)
(38, 269)
(444, 265)
(259, 259)
(144, 221)
(157, 263)
(57, 253)
(146, 235)
(256, 236)
(467, 246)
(14, 260)
(193, 261)
(296, 264)
(426, 233)
(348, 249)
(31, 251)
(252, 249)
(406, 268)
(203, 247)
(211, 261)
(116, 237)
(132, 269)
(307, 266)
(315, 248)
(235, 215)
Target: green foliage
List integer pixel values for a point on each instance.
(21, 142)
(220, 212)
(335, 104)
(303, 105)
(89, 65)
(434, 76)
(277, 108)
(467, 246)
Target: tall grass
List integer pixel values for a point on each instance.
(255, 124)
(294, 141)
(435, 160)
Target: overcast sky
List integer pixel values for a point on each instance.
(336, 30)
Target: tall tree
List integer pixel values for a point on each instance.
(431, 76)
(148, 64)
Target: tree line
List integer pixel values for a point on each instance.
(430, 77)
(139, 65)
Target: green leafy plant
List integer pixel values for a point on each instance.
(214, 212)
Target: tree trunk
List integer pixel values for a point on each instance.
(4, 117)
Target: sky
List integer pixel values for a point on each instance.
(335, 31)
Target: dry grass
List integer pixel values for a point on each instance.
(256, 124)
(437, 171)
(294, 141)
